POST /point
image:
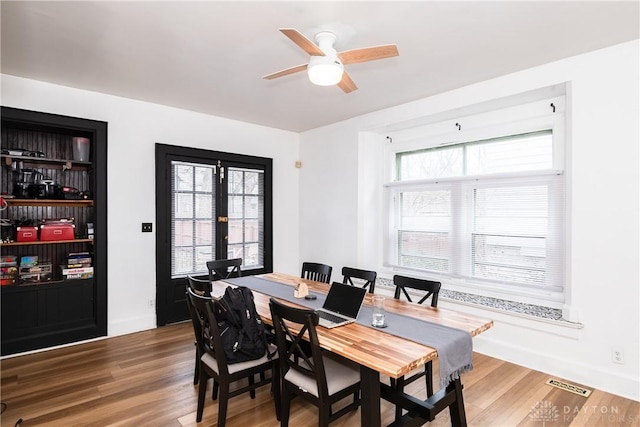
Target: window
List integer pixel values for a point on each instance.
(201, 195)
(485, 213)
(246, 217)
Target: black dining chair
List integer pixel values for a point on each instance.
(364, 278)
(316, 271)
(201, 287)
(213, 362)
(427, 289)
(321, 378)
(224, 268)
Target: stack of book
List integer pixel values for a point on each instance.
(8, 270)
(78, 266)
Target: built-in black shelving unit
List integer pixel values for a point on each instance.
(40, 314)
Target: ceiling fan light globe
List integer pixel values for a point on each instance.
(325, 74)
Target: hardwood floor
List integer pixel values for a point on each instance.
(146, 379)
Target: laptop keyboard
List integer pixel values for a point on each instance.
(330, 317)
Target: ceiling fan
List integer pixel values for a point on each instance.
(326, 66)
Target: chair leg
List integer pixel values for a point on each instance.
(202, 391)
(252, 392)
(286, 407)
(222, 404)
(275, 388)
(196, 373)
(325, 414)
(399, 385)
(428, 375)
(214, 391)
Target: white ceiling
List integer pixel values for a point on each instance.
(210, 56)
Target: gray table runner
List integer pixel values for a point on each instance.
(454, 346)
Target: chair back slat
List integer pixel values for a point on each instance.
(201, 286)
(316, 271)
(369, 277)
(430, 287)
(220, 269)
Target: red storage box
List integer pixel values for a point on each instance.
(50, 232)
(26, 234)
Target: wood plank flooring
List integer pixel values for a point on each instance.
(146, 379)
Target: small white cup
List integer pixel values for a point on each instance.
(378, 312)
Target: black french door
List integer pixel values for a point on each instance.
(209, 205)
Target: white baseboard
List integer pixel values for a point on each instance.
(137, 324)
(570, 370)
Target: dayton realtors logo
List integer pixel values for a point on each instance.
(544, 412)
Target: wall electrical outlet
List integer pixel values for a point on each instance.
(147, 227)
(617, 356)
(150, 303)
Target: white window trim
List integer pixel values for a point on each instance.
(529, 117)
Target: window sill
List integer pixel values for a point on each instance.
(527, 311)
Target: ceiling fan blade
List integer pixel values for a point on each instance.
(368, 54)
(346, 84)
(304, 43)
(286, 72)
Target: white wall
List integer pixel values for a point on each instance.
(133, 129)
(331, 212)
(341, 223)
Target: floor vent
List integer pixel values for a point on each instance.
(568, 387)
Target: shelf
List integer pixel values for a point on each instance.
(62, 163)
(51, 283)
(49, 202)
(48, 242)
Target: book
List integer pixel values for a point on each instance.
(74, 271)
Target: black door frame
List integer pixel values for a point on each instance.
(171, 305)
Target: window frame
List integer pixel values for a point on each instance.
(525, 118)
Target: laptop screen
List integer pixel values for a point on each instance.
(344, 299)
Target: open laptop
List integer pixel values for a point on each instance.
(341, 306)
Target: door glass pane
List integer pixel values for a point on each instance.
(183, 178)
(251, 183)
(236, 208)
(183, 204)
(205, 230)
(251, 206)
(182, 260)
(246, 213)
(204, 206)
(236, 251)
(252, 230)
(235, 231)
(235, 181)
(252, 253)
(204, 179)
(192, 222)
(202, 255)
(182, 233)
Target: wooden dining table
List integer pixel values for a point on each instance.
(380, 353)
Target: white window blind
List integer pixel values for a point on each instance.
(193, 219)
(486, 213)
(246, 216)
